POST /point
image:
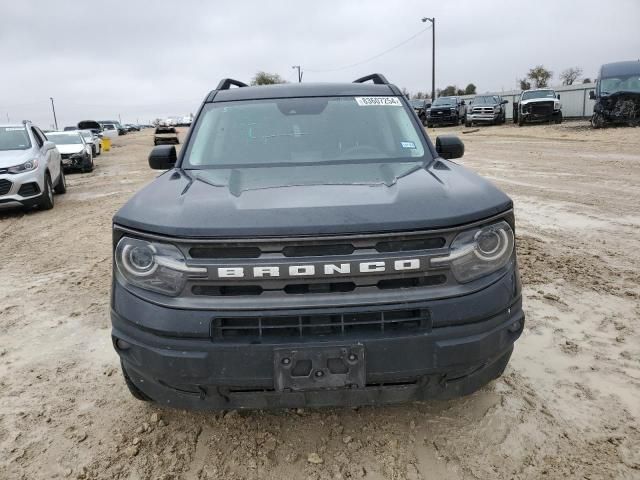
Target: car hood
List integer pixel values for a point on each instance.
(539, 100)
(10, 158)
(311, 200)
(66, 149)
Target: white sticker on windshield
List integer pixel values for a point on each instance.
(408, 145)
(379, 101)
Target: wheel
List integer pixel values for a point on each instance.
(135, 391)
(468, 124)
(597, 120)
(99, 151)
(559, 118)
(61, 186)
(521, 121)
(89, 166)
(94, 152)
(46, 200)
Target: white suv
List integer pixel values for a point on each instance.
(30, 167)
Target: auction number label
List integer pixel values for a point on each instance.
(378, 101)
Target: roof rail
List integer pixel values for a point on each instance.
(226, 83)
(377, 78)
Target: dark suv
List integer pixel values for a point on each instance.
(446, 111)
(310, 246)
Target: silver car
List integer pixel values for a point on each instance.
(75, 151)
(93, 139)
(30, 168)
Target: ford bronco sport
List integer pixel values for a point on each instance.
(310, 246)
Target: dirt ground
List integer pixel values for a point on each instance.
(567, 407)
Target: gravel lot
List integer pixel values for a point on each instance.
(567, 407)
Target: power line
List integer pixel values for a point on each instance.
(374, 57)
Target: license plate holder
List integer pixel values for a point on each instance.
(319, 368)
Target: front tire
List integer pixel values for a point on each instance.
(88, 167)
(559, 118)
(46, 200)
(61, 186)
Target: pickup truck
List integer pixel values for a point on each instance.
(538, 105)
(311, 246)
(486, 109)
(446, 111)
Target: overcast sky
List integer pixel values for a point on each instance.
(143, 59)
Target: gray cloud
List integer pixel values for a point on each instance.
(145, 59)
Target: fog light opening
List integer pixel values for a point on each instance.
(122, 345)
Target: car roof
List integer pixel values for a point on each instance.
(292, 90)
(620, 68)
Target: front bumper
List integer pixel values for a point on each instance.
(483, 117)
(443, 119)
(468, 344)
(24, 189)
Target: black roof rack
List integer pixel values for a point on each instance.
(377, 78)
(226, 83)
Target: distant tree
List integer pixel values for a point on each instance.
(406, 92)
(264, 78)
(470, 89)
(586, 80)
(449, 91)
(460, 92)
(418, 95)
(570, 75)
(524, 84)
(540, 76)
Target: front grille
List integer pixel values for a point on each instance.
(483, 110)
(541, 108)
(29, 189)
(316, 253)
(322, 324)
(5, 186)
(317, 288)
(65, 156)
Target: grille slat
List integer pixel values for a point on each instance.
(258, 327)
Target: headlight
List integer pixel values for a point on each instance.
(79, 155)
(496, 108)
(24, 167)
(479, 252)
(158, 267)
(453, 110)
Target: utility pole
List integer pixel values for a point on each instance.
(433, 56)
(298, 67)
(53, 107)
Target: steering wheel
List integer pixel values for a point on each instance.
(364, 149)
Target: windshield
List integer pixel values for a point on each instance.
(86, 134)
(444, 101)
(489, 100)
(14, 138)
(528, 95)
(65, 139)
(108, 126)
(621, 83)
(304, 131)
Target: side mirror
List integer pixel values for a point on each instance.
(504, 102)
(592, 95)
(163, 157)
(558, 96)
(463, 102)
(449, 147)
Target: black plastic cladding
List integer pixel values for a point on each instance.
(358, 86)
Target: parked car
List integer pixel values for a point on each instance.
(94, 140)
(166, 136)
(30, 167)
(270, 267)
(617, 95)
(92, 125)
(446, 111)
(121, 130)
(486, 109)
(538, 105)
(420, 105)
(110, 130)
(75, 151)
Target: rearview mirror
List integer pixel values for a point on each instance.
(449, 147)
(504, 102)
(163, 157)
(592, 95)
